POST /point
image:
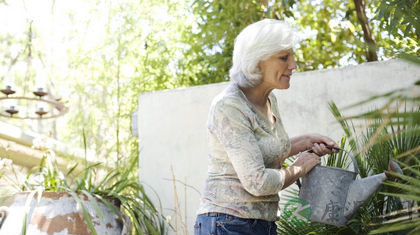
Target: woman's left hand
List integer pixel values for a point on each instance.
(319, 144)
(315, 142)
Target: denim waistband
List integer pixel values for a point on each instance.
(218, 214)
(213, 214)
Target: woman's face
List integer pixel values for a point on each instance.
(277, 70)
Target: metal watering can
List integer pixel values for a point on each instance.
(335, 195)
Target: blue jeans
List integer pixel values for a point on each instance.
(223, 224)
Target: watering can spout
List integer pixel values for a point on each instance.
(360, 190)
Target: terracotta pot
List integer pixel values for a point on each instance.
(56, 214)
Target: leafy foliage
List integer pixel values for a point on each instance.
(108, 52)
(397, 135)
(408, 218)
(106, 55)
(400, 18)
(389, 132)
(99, 184)
(211, 40)
(378, 143)
(331, 33)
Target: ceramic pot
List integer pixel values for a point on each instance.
(56, 214)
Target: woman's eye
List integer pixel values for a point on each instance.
(284, 58)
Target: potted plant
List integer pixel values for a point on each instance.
(94, 200)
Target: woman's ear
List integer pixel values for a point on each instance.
(259, 66)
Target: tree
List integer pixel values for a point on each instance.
(400, 18)
(335, 32)
(108, 53)
(99, 55)
(211, 38)
(360, 6)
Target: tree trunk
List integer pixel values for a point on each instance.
(367, 33)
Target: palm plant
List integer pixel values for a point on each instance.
(397, 134)
(387, 136)
(391, 131)
(407, 218)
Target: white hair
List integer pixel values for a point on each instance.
(257, 42)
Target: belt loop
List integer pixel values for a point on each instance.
(212, 214)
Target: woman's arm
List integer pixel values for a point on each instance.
(316, 142)
(301, 166)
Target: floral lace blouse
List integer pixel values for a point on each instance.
(246, 153)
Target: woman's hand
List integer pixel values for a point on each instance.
(320, 143)
(304, 163)
(317, 143)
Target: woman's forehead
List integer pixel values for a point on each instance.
(283, 52)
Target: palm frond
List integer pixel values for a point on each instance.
(286, 228)
(398, 226)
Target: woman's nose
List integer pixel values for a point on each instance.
(292, 64)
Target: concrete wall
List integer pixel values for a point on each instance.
(172, 130)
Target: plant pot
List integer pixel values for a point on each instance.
(57, 213)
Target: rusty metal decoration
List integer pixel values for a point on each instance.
(40, 113)
(12, 111)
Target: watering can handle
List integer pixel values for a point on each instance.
(355, 166)
(353, 159)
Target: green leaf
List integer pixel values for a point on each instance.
(409, 179)
(110, 206)
(85, 212)
(94, 204)
(396, 227)
(26, 220)
(406, 196)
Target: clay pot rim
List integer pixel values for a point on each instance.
(57, 195)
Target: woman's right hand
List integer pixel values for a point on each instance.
(305, 161)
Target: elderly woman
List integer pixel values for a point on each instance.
(248, 143)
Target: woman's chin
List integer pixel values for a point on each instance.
(284, 86)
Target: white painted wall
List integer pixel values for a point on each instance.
(172, 130)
